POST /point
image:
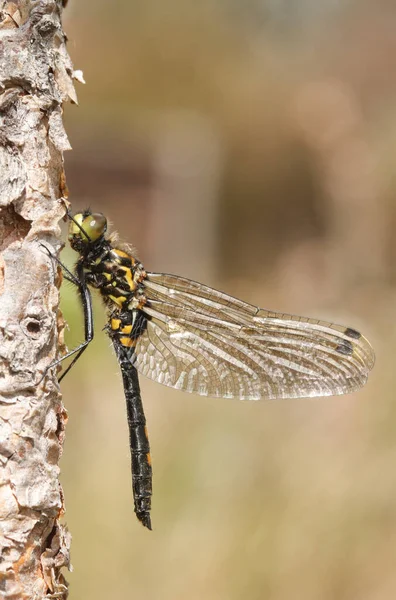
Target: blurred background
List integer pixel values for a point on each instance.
(249, 145)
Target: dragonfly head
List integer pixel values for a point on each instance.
(85, 229)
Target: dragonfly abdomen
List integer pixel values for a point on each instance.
(138, 437)
(125, 329)
(141, 470)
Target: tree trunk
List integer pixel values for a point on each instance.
(35, 79)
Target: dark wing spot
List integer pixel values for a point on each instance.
(352, 333)
(345, 348)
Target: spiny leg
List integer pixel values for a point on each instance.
(79, 281)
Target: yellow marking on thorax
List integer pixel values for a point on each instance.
(128, 277)
(125, 340)
(123, 254)
(128, 342)
(115, 324)
(119, 300)
(126, 329)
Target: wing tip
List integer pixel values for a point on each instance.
(365, 351)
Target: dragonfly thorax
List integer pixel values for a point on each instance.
(118, 276)
(114, 272)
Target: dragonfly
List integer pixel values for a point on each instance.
(194, 338)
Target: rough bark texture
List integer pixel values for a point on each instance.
(35, 79)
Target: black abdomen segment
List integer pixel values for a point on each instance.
(138, 439)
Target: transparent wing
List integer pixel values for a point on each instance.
(203, 341)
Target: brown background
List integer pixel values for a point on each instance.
(249, 145)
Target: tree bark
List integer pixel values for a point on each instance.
(35, 79)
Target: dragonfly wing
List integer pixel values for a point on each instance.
(203, 341)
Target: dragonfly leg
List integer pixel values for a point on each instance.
(78, 279)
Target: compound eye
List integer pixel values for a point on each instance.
(94, 225)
